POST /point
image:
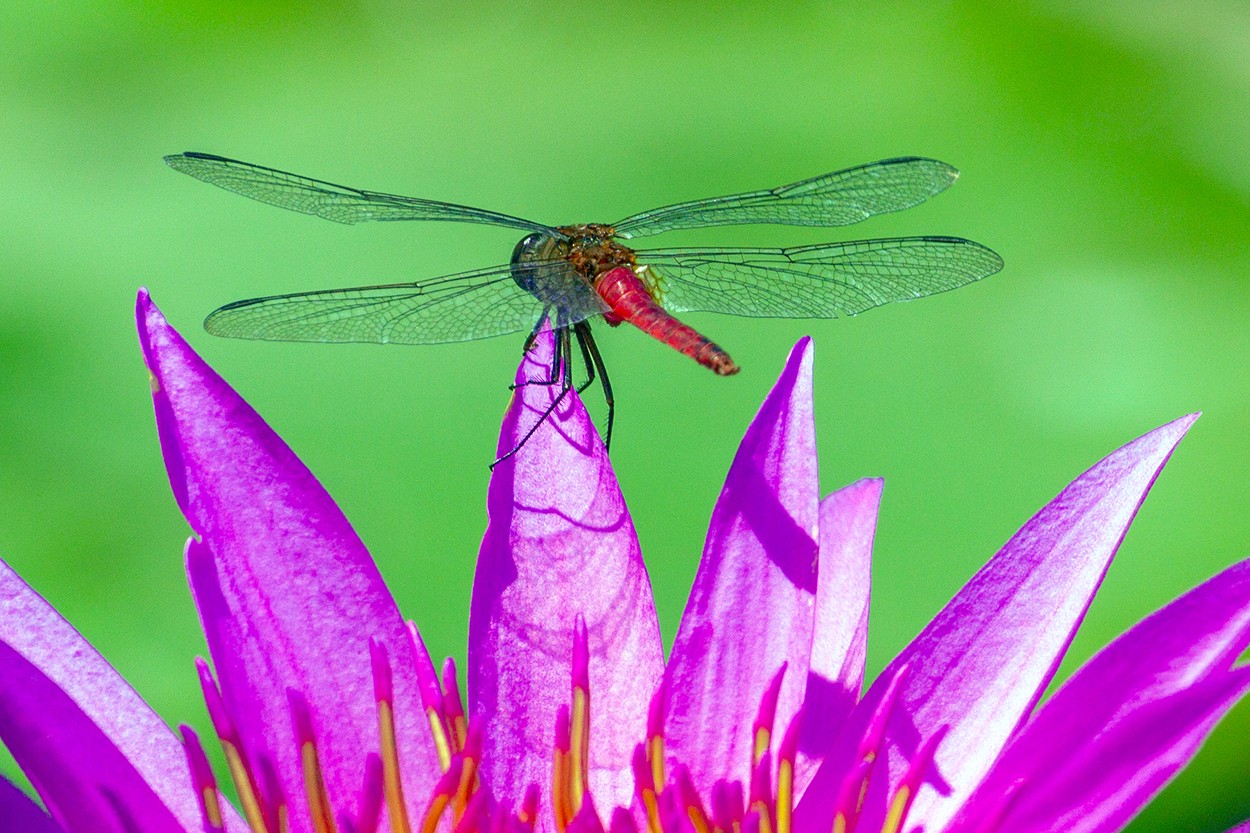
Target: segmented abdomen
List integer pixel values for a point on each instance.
(630, 301)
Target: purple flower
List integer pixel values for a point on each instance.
(333, 717)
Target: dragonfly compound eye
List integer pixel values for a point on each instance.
(527, 251)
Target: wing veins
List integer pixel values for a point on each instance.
(412, 312)
(833, 199)
(338, 203)
(823, 280)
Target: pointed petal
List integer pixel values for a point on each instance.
(1139, 709)
(848, 521)
(1104, 783)
(751, 609)
(982, 663)
(288, 595)
(559, 543)
(20, 814)
(86, 740)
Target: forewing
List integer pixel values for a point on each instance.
(835, 199)
(824, 281)
(461, 307)
(339, 203)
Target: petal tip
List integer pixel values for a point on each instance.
(1162, 440)
(145, 311)
(801, 354)
(1181, 423)
(148, 315)
(794, 383)
(1178, 426)
(870, 484)
(156, 335)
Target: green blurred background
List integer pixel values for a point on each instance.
(1105, 151)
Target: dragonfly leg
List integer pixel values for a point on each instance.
(529, 343)
(561, 364)
(582, 330)
(562, 375)
(587, 342)
(533, 336)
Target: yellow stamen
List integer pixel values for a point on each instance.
(211, 807)
(652, 805)
(698, 820)
(898, 810)
(766, 817)
(429, 824)
(315, 790)
(863, 785)
(392, 785)
(561, 802)
(840, 824)
(785, 795)
(468, 782)
(579, 748)
(442, 745)
(247, 789)
(762, 738)
(655, 756)
(459, 731)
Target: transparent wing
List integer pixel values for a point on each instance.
(824, 281)
(836, 199)
(460, 307)
(325, 199)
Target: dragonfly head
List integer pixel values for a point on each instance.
(528, 248)
(534, 247)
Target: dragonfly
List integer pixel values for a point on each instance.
(568, 276)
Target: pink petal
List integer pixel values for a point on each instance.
(983, 662)
(848, 520)
(1124, 724)
(752, 607)
(20, 814)
(1105, 782)
(559, 543)
(288, 595)
(90, 746)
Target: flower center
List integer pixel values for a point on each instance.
(666, 802)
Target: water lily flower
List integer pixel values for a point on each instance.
(333, 717)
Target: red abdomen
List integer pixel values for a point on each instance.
(630, 301)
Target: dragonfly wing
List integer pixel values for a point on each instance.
(835, 199)
(325, 199)
(823, 281)
(460, 307)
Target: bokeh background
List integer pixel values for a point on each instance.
(1106, 154)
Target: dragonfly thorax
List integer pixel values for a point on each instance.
(592, 251)
(546, 266)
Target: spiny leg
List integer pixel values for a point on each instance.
(581, 329)
(561, 373)
(537, 328)
(562, 361)
(587, 342)
(529, 343)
